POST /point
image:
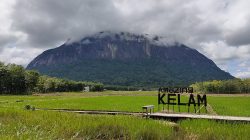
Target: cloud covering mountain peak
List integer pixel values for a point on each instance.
(33, 26)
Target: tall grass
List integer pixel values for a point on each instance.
(21, 124)
(212, 130)
(56, 125)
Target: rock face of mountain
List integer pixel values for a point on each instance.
(129, 60)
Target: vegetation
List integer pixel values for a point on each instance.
(54, 125)
(17, 123)
(14, 79)
(120, 88)
(121, 101)
(149, 73)
(212, 130)
(226, 86)
(47, 84)
(230, 105)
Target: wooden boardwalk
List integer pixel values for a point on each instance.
(167, 116)
(100, 112)
(176, 117)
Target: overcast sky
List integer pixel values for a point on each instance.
(220, 29)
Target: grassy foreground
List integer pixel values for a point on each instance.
(17, 123)
(55, 125)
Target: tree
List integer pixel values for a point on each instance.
(226, 86)
(14, 79)
(5, 80)
(17, 75)
(31, 80)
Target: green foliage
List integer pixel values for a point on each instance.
(149, 73)
(120, 88)
(51, 84)
(226, 86)
(31, 80)
(14, 79)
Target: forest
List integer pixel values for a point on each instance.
(14, 79)
(224, 86)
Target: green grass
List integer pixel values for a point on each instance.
(122, 101)
(55, 125)
(17, 123)
(236, 106)
(114, 102)
(211, 130)
(22, 124)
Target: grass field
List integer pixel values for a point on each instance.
(17, 123)
(121, 101)
(236, 106)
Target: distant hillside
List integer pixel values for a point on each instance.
(129, 60)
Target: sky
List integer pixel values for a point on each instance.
(218, 29)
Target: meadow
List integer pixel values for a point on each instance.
(18, 123)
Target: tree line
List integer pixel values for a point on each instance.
(14, 79)
(225, 86)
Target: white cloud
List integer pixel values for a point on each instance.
(6, 36)
(229, 57)
(243, 64)
(219, 29)
(220, 51)
(245, 74)
(20, 56)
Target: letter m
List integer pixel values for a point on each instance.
(202, 100)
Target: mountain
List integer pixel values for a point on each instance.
(128, 59)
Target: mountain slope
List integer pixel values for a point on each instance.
(129, 60)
